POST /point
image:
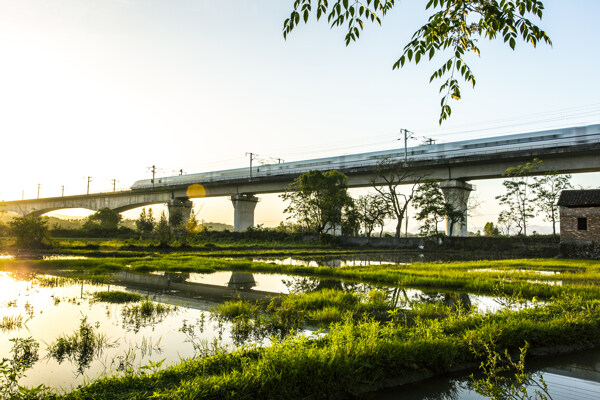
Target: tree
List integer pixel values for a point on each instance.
(316, 199)
(506, 220)
(350, 219)
(145, 223)
(547, 189)
(30, 232)
(433, 208)
(393, 175)
(104, 219)
(372, 209)
(163, 230)
(490, 230)
(518, 193)
(455, 28)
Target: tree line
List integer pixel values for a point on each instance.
(319, 202)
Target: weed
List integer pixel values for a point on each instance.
(116, 296)
(11, 323)
(145, 313)
(80, 347)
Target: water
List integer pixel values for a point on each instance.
(569, 377)
(369, 259)
(52, 311)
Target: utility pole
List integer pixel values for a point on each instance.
(22, 195)
(181, 172)
(153, 169)
(428, 141)
(89, 179)
(63, 190)
(279, 161)
(252, 157)
(39, 184)
(407, 135)
(114, 181)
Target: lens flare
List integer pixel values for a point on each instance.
(195, 190)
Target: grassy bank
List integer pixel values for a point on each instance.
(356, 355)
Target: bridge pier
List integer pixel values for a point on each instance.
(243, 211)
(180, 210)
(457, 194)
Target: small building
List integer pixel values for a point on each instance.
(580, 223)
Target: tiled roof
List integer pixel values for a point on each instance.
(579, 198)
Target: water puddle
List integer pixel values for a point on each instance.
(512, 271)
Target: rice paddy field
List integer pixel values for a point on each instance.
(282, 326)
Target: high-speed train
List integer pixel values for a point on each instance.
(534, 140)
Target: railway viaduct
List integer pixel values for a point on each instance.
(453, 172)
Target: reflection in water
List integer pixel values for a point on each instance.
(241, 281)
(81, 347)
(569, 377)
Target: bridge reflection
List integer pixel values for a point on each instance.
(239, 286)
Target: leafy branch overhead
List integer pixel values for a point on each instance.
(454, 28)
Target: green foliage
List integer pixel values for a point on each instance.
(116, 296)
(547, 189)
(30, 232)
(145, 313)
(24, 355)
(454, 28)
(393, 175)
(105, 219)
(433, 208)
(490, 230)
(497, 385)
(81, 347)
(518, 197)
(145, 223)
(163, 230)
(373, 210)
(316, 199)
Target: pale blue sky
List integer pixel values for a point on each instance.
(107, 88)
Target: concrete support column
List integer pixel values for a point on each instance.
(457, 194)
(243, 211)
(180, 206)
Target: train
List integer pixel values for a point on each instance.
(555, 138)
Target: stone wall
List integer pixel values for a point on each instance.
(568, 224)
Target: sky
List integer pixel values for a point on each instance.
(107, 88)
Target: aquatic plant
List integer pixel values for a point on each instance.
(145, 313)
(11, 322)
(24, 355)
(116, 296)
(81, 347)
(505, 378)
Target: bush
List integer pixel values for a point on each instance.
(31, 232)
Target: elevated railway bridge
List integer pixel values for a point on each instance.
(454, 165)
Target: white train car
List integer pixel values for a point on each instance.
(534, 140)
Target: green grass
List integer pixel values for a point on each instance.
(580, 276)
(116, 296)
(356, 355)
